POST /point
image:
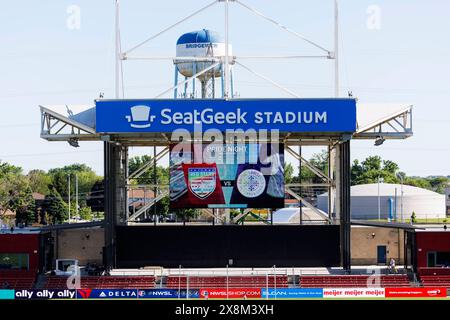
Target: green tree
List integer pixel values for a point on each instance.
(85, 213)
(373, 168)
(55, 207)
(438, 184)
(162, 173)
(39, 181)
(86, 179)
(15, 193)
(288, 172)
(320, 162)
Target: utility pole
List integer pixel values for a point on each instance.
(336, 49)
(68, 178)
(76, 195)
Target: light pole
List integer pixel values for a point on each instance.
(76, 195)
(68, 182)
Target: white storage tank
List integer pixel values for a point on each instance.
(202, 43)
(364, 202)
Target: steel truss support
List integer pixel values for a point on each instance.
(55, 126)
(152, 163)
(147, 206)
(305, 162)
(394, 126)
(307, 204)
(146, 166)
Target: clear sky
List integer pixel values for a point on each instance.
(393, 51)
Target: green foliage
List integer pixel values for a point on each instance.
(85, 213)
(319, 161)
(162, 206)
(148, 177)
(39, 181)
(86, 179)
(288, 172)
(15, 193)
(55, 207)
(373, 168)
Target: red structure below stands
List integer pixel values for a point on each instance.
(433, 248)
(358, 281)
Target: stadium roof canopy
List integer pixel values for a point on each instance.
(77, 122)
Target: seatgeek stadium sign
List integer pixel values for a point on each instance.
(284, 115)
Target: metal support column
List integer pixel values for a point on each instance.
(344, 203)
(109, 200)
(115, 197)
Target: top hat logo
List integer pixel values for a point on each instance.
(141, 115)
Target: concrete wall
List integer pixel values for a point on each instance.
(364, 242)
(86, 245)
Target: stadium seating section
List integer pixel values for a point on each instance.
(353, 281)
(435, 277)
(221, 282)
(17, 279)
(17, 283)
(428, 277)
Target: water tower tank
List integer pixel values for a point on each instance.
(202, 43)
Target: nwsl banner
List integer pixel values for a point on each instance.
(284, 115)
(229, 176)
(231, 293)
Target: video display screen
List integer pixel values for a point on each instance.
(249, 175)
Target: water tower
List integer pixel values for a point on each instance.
(196, 52)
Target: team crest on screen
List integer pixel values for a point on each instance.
(202, 181)
(251, 183)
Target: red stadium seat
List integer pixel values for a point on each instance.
(357, 281)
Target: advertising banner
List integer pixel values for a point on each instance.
(233, 293)
(285, 115)
(45, 294)
(6, 294)
(292, 293)
(353, 293)
(168, 294)
(416, 292)
(231, 176)
(107, 294)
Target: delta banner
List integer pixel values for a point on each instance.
(285, 115)
(416, 292)
(247, 175)
(107, 294)
(231, 293)
(349, 293)
(292, 293)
